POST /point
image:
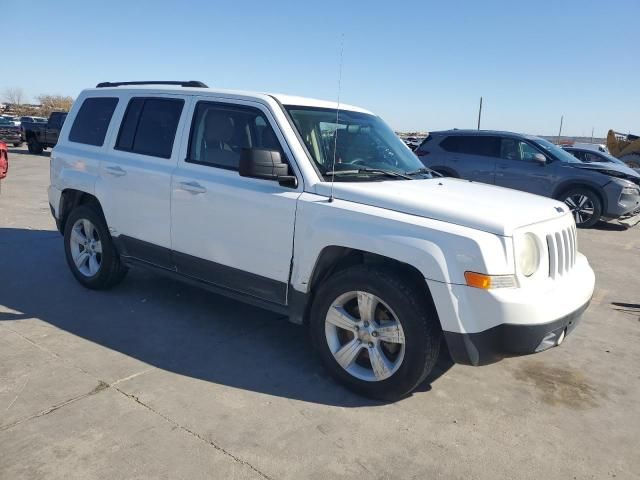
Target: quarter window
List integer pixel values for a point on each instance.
(219, 132)
(92, 121)
(149, 126)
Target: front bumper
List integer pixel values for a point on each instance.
(618, 204)
(508, 340)
(483, 326)
(11, 138)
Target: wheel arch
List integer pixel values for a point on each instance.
(570, 185)
(72, 198)
(335, 258)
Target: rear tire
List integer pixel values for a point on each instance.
(585, 206)
(89, 249)
(18, 144)
(401, 313)
(35, 147)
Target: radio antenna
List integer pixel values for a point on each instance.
(335, 133)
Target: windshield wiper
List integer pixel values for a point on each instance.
(381, 171)
(433, 173)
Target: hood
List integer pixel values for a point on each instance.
(611, 169)
(475, 205)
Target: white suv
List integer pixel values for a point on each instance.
(318, 212)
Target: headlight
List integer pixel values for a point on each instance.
(529, 255)
(630, 191)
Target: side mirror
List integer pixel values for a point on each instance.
(540, 158)
(265, 165)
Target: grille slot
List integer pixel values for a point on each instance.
(562, 248)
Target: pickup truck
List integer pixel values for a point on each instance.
(9, 132)
(40, 136)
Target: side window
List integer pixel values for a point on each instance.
(92, 121)
(451, 144)
(479, 145)
(512, 149)
(149, 126)
(578, 154)
(592, 157)
(220, 131)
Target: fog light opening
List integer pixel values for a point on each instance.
(561, 337)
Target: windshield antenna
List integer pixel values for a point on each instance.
(335, 134)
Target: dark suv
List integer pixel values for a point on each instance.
(592, 191)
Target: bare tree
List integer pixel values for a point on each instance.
(52, 103)
(14, 95)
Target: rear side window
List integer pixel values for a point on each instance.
(472, 145)
(149, 126)
(92, 121)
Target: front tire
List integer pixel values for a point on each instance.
(377, 334)
(585, 206)
(89, 249)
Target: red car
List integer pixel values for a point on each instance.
(4, 160)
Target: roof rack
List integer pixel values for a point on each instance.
(188, 83)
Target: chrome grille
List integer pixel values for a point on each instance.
(562, 248)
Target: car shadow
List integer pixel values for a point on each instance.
(24, 151)
(610, 227)
(170, 325)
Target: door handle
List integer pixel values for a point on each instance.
(116, 171)
(192, 187)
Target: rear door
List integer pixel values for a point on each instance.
(516, 168)
(135, 175)
(472, 157)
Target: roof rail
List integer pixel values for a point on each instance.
(188, 83)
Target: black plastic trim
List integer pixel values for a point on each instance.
(225, 278)
(506, 340)
(187, 83)
(231, 278)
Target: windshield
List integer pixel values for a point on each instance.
(555, 150)
(4, 121)
(364, 145)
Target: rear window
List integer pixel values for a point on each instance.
(472, 145)
(149, 126)
(92, 121)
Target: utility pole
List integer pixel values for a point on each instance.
(591, 134)
(480, 113)
(560, 132)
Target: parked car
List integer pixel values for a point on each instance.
(590, 156)
(10, 133)
(329, 219)
(4, 160)
(29, 119)
(40, 136)
(532, 164)
(14, 120)
(596, 147)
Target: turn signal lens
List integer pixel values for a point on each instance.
(480, 280)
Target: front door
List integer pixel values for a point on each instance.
(516, 168)
(228, 230)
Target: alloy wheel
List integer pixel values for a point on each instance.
(581, 207)
(86, 247)
(365, 336)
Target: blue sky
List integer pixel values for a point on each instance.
(420, 65)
